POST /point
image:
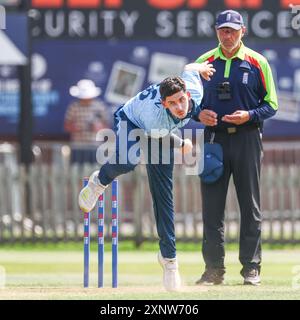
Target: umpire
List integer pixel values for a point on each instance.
(239, 97)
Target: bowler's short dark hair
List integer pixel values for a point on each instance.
(170, 86)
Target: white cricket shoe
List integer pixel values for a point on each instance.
(171, 277)
(89, 195)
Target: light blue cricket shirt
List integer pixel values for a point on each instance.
(146, 111)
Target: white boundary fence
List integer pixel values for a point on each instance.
(41, 204)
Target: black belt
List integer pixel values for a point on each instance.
(232, 130)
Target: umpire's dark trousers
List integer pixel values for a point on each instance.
(242, 151)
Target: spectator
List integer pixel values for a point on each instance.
(84, 118)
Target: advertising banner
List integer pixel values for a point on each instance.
(156, 19)
(123, 68)
(14, 50)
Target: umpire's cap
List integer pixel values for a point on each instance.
(213, 163)
(230, 19)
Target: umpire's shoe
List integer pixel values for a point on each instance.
(251, 276)
(212, 276)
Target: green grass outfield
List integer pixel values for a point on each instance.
(55, 272)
